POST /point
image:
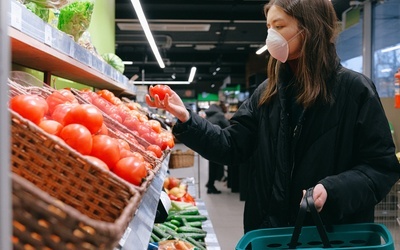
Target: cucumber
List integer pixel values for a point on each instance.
(154, 237)
(176, 223)
(196, 236)
(195, 243)
(197, 224)
(187, 212)
(186, 229)
(170, 225)
(159, 231)
(189, 218)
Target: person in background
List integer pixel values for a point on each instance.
(216, 116)
(312, 124)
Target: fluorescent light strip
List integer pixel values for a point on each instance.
(160, 82)
(261, 50)
(390, 49)
(147, 32)
(192, 73)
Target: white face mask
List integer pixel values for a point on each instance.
(277, 45)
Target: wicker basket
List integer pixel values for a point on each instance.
(97, 195)
(181, 159)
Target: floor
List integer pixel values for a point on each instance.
(225, 210)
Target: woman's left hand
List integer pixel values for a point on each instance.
(319, 195)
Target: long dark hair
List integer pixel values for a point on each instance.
(318, 58)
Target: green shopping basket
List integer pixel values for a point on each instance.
(350, 236)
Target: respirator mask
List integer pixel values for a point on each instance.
(277, 45)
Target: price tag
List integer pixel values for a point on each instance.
(16, 16)
(48, 38)
(125, 236)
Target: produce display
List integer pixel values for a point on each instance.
(82, 127)
(183, 227)
(74, 18)
(115, 61)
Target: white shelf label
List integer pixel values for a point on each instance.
(48, 35)
(16, 16)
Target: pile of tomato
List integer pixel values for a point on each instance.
(129, 116)
(82, 127)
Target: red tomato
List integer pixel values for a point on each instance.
(86, 114)
(106, 149)
(167, 140)
(155, 125)
(123, 144)
(160, 90)
(156, 149)
(152, 138)
(97, 162)
(143, 129)
(31, 107)
(61, 110)
(131, 122)
(51, 126)
(78, 137)
(103, 130)
(59, 97)
(102, 104)
(125, 153)
(131, 169)
(116, 117)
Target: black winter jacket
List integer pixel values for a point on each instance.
(346, 146)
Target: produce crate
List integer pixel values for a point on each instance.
(181, 159)
(97, 195)
(23, 83)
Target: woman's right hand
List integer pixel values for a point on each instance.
(171, 103)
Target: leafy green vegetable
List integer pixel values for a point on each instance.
(41, 12)
(114, 61)
(74, 18)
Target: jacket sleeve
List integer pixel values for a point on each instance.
(229, 145)
(375, 168)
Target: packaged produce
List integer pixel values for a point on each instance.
(74, 18)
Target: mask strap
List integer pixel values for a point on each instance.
(294, 36)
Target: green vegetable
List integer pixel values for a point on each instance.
(188, 229)
(195, 243)
(41, 12)
(114, 61)
(189, 218)
(74, 18)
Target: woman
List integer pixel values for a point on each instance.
(313, 123)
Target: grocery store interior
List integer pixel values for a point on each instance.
(208, 52)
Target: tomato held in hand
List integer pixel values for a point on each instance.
(78, 137)
(86, 114)
(106, 149)
(160, 90)
(31, 107)
(131, 169)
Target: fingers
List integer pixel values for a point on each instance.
(149, 101)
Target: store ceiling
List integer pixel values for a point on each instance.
(208, 34)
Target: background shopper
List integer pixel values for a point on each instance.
(216, 116)
(312, 123)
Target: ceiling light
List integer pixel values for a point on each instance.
(173, 76)
(262, 50)
(160, 82)
(192, 73)
(391, 48)
(218, 69)
(127, 62)
(147, 32)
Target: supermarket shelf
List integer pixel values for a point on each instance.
(138, 233)
(38, 45)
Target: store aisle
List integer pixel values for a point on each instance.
(225, 210)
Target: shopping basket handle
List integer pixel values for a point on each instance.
(307, 205)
